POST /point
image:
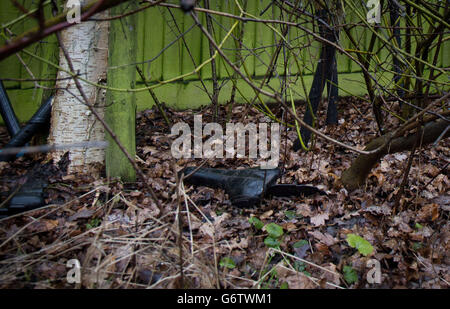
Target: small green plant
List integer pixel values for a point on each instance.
(274, 230)
(350, 275)
(227, 263)
(290, 215)
(272, 242)
(364, 247)
(93, 223)
(272, 279)
(300, 243)
(275, 233)
(301, 267)
(258, 224)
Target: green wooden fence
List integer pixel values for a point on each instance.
(162, 57)
(22, 92)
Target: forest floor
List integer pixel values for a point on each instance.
(122, 240)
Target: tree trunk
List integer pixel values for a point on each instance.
(71, 121)
(356, 175)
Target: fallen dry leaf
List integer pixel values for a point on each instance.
(319, 219)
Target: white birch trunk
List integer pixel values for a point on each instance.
(72, 121)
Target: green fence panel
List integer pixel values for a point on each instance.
(163, 55)
(192, 54)
(10, 67)
(154, 43)
(24, 96)
(172, 55)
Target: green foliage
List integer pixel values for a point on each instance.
(300, 243)
(301, 267)
(274, 230)
(363, 246)
(273, 280)
(227, 263)
(272, 242)
(291, 214)
(258, 224)
(93, 223)
(350, 274)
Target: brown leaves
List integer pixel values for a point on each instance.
(136, 245)
(82, 214)
(294, 280)
(43, 225)
(319, 219)
(326, 238)
(428, 212)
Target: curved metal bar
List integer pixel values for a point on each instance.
(7, 112)
(39, 119)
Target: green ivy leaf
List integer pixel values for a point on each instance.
(272, 242)
(364, 247)
(290, 214)
(274, 230)
(284, 286)
(256, 223)
(299, 266)
(227, 262)
(300, 243)
(93, 223)
(350, 275)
